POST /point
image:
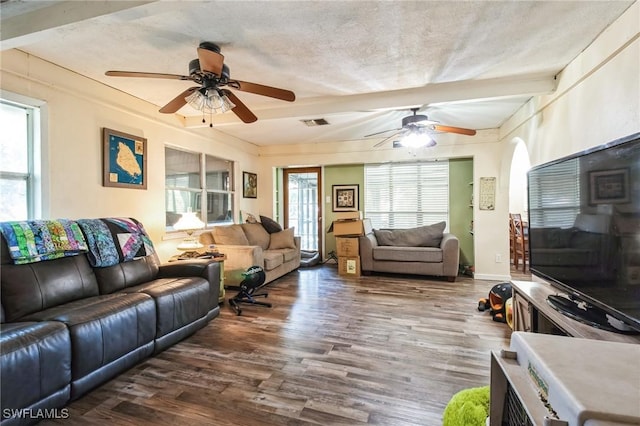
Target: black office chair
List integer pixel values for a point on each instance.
(254, 278)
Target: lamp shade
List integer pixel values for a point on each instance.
(188, 222)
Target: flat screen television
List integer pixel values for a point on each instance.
(584, 233)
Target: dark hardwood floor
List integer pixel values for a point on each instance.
(382, 349)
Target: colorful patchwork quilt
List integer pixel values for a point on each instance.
(114, 240)
(37, 240)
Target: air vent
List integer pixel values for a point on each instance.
(315, 122)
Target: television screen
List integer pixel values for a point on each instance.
(584, 232)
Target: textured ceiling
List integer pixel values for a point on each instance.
(359, 64)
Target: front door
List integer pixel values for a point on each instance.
(303, 206)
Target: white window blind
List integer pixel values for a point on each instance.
(559, 204)
(406, 195)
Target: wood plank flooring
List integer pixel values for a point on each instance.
(381, 349)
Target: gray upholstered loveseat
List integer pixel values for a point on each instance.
(425, 250)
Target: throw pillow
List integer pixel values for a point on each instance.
(270, 225)
(431, 235)
(256, 234)
(282, 239)
(422, 236)
(230, 235)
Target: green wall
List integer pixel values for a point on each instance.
(339, 175)
(460, 193)
(460, 208)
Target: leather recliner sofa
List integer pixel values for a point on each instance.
(67, 327)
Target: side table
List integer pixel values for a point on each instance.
(220, 259)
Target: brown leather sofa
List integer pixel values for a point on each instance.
(66, 327)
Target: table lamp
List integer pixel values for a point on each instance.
(188, 223)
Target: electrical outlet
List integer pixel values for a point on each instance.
(498, 258)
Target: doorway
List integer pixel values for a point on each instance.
(303, 206)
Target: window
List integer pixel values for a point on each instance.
(406, 195)
(559, 204)
(209, 194)
(17, 171)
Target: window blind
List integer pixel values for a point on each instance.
(406, 195)
(559, 204)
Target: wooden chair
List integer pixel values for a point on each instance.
(520, 241)
(512, 239)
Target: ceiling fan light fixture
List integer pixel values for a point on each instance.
(209, 101)
(417, 139)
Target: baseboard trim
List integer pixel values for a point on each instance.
(490, 277)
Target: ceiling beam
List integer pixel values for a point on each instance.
(34, 25)
(398, 99)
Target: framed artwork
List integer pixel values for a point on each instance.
(609, 186)
(124, 160)
(345, 198)
(249, 185)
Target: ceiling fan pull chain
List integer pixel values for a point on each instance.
(210, 118)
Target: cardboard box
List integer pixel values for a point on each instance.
(348, 215)
(349, 266)
(352, 228)
(347, 246)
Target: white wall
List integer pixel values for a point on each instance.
(78, 108)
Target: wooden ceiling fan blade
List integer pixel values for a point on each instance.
(178, 102)
(240, 109)
(451, 129)
(259, 89)
(146, 75)
(210, 61)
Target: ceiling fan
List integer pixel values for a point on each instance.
(416, 130)
(212, 75)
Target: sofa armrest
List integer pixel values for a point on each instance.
(450, 255)
(241, 257)
(367, 243)
(205, 268)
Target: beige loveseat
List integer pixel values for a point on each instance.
(249, 244)
(425, 250)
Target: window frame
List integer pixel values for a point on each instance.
(30, 176)
(202, 195)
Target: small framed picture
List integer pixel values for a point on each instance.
(609, 186)
(124, 160)
(249, 185)
(345, 198)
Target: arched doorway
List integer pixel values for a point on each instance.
(520, 165)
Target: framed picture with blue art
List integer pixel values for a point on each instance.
(124, 160)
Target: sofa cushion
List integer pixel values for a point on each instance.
(272, 259)
(179, 301)
(230, 235)
(288, 254)
(422, 236)
(408, 254)
(35, 362)
(104, 328)
(33, 287)
(283, 239)
(256, 234)
(270, 225)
